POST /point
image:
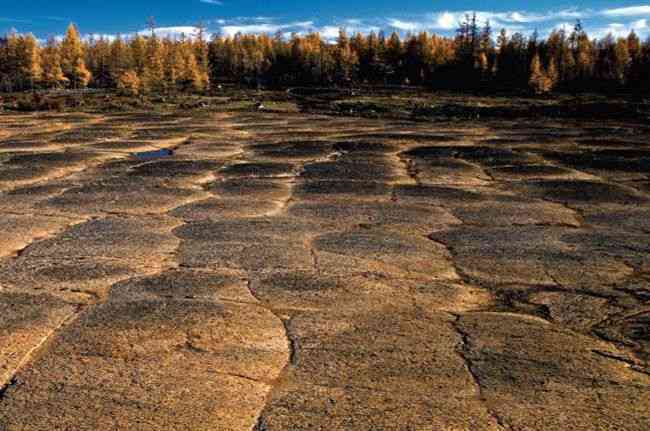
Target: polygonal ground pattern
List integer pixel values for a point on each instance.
(266, 271)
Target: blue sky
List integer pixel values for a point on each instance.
(101, 17)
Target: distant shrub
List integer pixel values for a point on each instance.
(38, 102)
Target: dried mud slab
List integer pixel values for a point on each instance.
(318, 190)
(82, 262)
(18, 231)
(348, 360)
(406, 217)
(382, 251)
(250, 189)
(26, 322)
(299, 150)
(262, 244)
(27, 168)
(121, 196)
(258, 170)
(449, 172)
(485, 156)
(583, 192)
(534, 172)
(24, 200)
(162, 357)
(516, 213)
(534, 375)
(534, 255)
(351, 170)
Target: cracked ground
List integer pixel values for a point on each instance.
(304, 272)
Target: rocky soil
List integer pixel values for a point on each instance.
(267, 271)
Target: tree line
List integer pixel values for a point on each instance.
(473, 59)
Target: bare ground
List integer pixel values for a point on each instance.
(303, 272)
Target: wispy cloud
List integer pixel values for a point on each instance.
(212, 2)
(266, 27)
(54, 18)
(403, 25)
(597, 22)
(628, 11)
(15, 20)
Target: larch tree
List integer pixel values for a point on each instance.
(72, 58)
(552, 74)
(538, 81)
(347, 60)
(138, 46)
(53, 76)
(622, 60)
(120, 58)
(201, 51)
(153, 75)
(10, 63)
(29, 61)
(172, 63)
(189, 73)
(98, 61)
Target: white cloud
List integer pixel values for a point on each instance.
(597, 23)
(303, 24)
(329, 32)
(403, 25)
(446, 21)
(628, 11)
(266, 27)
(173, 32)
(213, 2)
(231, 30)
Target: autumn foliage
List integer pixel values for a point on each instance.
(474, 58)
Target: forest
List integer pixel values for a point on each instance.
(475, 59)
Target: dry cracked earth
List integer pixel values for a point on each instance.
(261, 271)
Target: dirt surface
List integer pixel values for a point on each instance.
(285, 271)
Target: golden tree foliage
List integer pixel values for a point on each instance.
(72, 58)
(53, 76)
(195, 63)
(29, 60)
(153, 75)
(539, 81)
(129, 83)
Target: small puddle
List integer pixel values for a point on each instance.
(157, 154)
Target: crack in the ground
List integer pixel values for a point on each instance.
(464, 353)
(34, 351)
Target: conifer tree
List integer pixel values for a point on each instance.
(72, 58)
(552, 74)
(81, 75)
(539, 81)
(53, 76)
(201, 52)
(120, 58)
(189, 76)
(172, 65)
(347, 59)
(98, 61)
(463, 62)
(10, 63)
(153, 75)
(28, 61)
(621, 60)
(138, 47)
